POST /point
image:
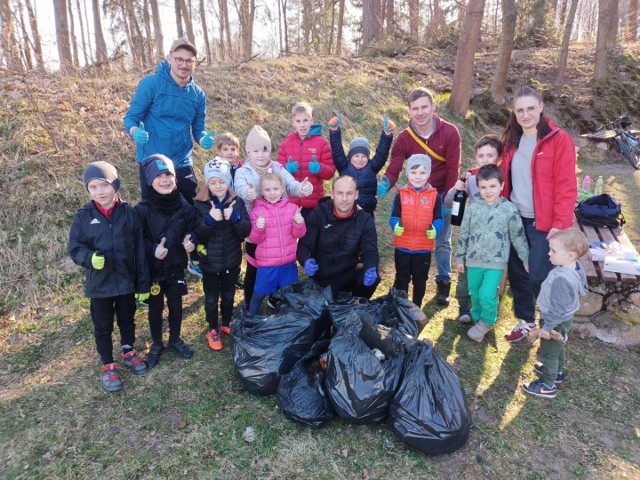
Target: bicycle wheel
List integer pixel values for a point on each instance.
(631, 155)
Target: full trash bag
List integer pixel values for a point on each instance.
(301, 394)
(359, 381)
(265, 347)
(305, 295)
(429, 411)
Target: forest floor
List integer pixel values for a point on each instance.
(186, 419)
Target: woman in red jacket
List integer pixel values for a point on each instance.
(540, 179)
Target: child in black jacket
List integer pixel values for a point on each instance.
(106, 239)
(223, 224)
(169, 223)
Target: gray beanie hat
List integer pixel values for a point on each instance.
(218, 168)
(101, 171)
(359, 145)
(155, 165)
(419, 159)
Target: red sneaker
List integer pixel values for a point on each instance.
(226, 328)
(520, 331)
(213, 338)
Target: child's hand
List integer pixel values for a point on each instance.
(142, 297)
(460, 186)
(306, 188)
(431, 233)
(460, 267)
(215, 213)
(398, 230)
(251, 193)
(227, 212)
(97, 261)
(297, 217)
(161, 250)
(202, 250)
(334, 123)
(544, 334)
(388, 126)
(291, 166)
(526, 268)
(260, 221)
(188, 245)
(314, 166)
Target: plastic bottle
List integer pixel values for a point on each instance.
(457, 209)
(586, 184)
(599, 186)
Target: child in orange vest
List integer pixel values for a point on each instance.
(416, 219)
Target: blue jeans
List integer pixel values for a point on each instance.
(525, 287)
(443, 251)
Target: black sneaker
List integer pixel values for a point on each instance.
(181, 348)
(154, 353)
(131, 360)
(442, 295)
(537, 367)
(540, 389)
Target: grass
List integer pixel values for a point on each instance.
(187, 418)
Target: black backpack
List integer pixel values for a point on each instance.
(600, 211)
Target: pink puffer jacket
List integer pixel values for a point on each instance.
(277, 242)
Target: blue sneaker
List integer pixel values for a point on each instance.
(194, 269)
(540, 389)
(537, 367)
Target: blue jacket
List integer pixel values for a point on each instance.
(170, 113)
(366, 177)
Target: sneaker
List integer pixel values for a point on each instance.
(520, 331)
(540, 389)
(464, 317)
(153, 355)
(194, 269)
(442, 295)
(131, 360)
(213, 338)
(478, 331)
(109, 378)
(225, 327)
(537, 367)
(181, 348)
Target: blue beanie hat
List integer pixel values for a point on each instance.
(359, 145)
(155, 165)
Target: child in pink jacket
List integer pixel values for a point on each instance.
(276, 226)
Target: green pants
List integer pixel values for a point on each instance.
(552, 354)
(483, 289)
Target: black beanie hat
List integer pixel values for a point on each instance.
(155, 165)
(102, 171)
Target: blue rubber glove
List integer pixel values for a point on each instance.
(383, 187)
(140, 135)
(431, 233)
(370, 277)
(314, 166)
(208, 141)
(291, 166)
(310, 267)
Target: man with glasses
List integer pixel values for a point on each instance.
(166, 111)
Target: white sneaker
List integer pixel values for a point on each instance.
(478, 331)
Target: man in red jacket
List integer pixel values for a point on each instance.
(428, 133)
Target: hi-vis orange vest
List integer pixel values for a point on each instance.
(417, 217)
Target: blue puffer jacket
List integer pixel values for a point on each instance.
(366, 178)
(170, 113)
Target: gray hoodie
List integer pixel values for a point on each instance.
(560, 293)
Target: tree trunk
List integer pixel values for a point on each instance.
(340, 27)
(62, 34)
(146, 23)
(85, 22)
(370, 22)
(390, 17)
(246, 14)
(632, 21)
(158, 38)
(188, 22)
(72, 35)
(83, 39)
(600, 67)
(566, 38)
(614, 21)
(179, 26)
(25, 45)
(499, 82)
(137, 40)
(227, 27)
(563, 12)
(205, 33)
(331, 4)
(306, 24)
(539, 14)
(37, 43)
(463, 71)
(101, 45)
(414, 19)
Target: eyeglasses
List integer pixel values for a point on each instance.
(180, 60)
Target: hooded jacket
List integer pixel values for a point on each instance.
(302, 151)
(560, 293)
(553, 170)
(119, 239)
(170, 113)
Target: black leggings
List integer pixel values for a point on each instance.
(412, 267)
(123, 307)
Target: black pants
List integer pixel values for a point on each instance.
(102, 313)
(173, 291)
(219, 286)
(249, 274)
(352, 282)
(412, 267)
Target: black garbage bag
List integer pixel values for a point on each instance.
(301, 394)
(358, 383)
(265, 347)
(306, 296)
(429, 411)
